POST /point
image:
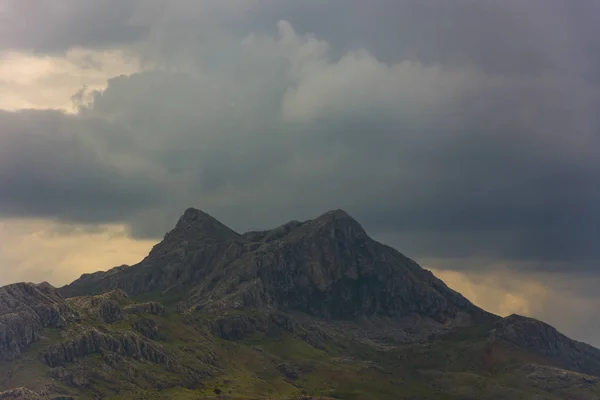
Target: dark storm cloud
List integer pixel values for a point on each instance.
(55, 26)
(506, 37)
(50, 168)
(503, 36)
(511, 36)
(469, 188)
(483, 143)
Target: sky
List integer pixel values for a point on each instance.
(465, 134)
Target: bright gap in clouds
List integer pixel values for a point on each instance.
(40, 250)
(30, 81)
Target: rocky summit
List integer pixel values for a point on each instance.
(308, 310)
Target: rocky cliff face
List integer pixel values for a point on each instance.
(543, 339)
(87, 340)
(106, 307)
(550, 378)
(25, 310)
(20, 394)
(327, 267)
(150, 307)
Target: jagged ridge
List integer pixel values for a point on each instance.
(543, 339)
(328, 267)
(25, 310)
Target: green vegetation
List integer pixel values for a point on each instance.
(281, 364)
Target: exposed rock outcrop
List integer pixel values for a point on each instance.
(551, 379)
(240, 326)
(26, 394)
(289, 371)
(88, 340)
(25, 310)
(105, 307)
(236, 326)
(150, 307)
(148, 328)
(543, 339)
(20, 394)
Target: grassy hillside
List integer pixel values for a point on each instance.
(272, 362)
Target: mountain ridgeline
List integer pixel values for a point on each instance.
(327, 267)
(313, 309)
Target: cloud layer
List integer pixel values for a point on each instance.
(286, 130)
(457, 132)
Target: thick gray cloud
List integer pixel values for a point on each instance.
(511, 36)
(457, 159)
(50, 167)
(55, 26)
(448, 127)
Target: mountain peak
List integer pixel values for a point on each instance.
(340, 220)
(192, 215)
(338, 213)
(195, 224)
(194, 228)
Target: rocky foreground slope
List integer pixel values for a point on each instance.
(313, 309)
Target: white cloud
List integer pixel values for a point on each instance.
(33, 81)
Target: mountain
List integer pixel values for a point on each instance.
(313, 309)
(327, 267)
(25, 310)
